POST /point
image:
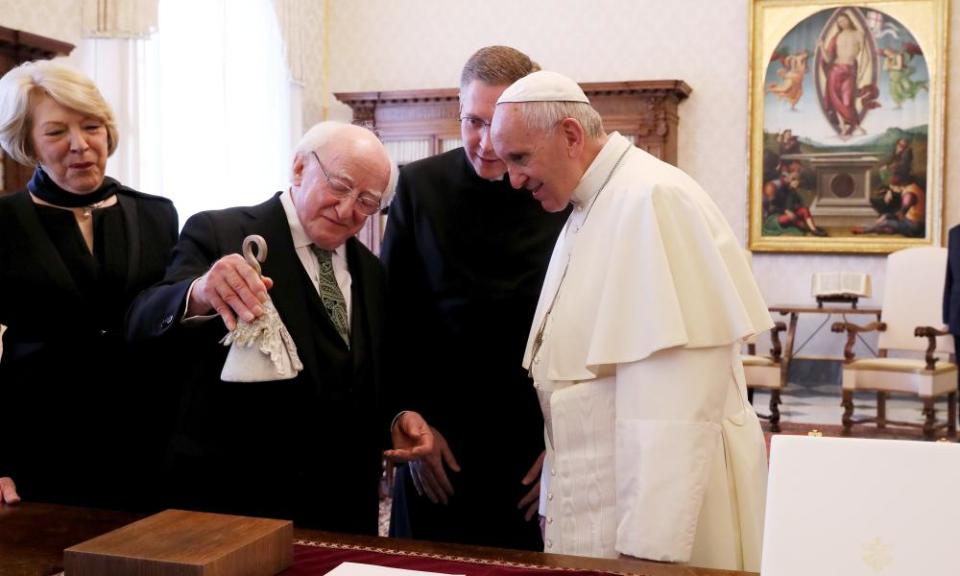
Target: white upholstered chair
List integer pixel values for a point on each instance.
(912, 297)
(766, 372)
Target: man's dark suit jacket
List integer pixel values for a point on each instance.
(80, 419)
(951, 289)
(307, 449)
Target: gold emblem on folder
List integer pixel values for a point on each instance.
(877, 555)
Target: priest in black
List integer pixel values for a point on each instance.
(306, 448)
(82, 420)
(465, 255)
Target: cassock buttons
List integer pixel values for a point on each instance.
(549, 519)
(550, 495)
(549, 543)
(553, 471)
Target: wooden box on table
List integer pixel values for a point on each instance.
(179, 543)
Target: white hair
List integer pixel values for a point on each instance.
(327, 132)
(543, 116)
(19, 90)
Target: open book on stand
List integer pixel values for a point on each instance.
(840, 287)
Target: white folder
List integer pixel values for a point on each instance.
(867, 507)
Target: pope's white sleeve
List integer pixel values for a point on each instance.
(669, 408)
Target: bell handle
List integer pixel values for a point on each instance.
(261, 254)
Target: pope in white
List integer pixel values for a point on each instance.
(652, 448)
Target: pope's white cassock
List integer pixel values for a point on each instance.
(652, 448)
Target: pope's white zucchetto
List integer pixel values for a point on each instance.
(543, 86)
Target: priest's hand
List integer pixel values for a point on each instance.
(8, 491)
(531, 501)
(428, 455)
(232, 288)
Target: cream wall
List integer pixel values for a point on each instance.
(394, 44)
(58, 19)
(398, 44)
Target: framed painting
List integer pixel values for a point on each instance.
(846, 124)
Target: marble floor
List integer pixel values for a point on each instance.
(813, 394)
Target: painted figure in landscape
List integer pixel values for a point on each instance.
(846, 57)
(845, 119)
(900, 163)
(900, 72)
(784, 210)
(902, 209)
(788, 143)
(790, 88)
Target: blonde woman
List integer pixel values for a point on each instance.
(75, 248)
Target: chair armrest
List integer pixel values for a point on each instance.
(852, 330)
(931, 334)
(777, 350)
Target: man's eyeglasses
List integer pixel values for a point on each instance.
(367, 202)
(474, 123)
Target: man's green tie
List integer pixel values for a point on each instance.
(330, 293)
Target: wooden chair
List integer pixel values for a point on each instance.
(766, 372)
(912, 297)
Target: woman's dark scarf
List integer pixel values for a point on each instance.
(44, 188)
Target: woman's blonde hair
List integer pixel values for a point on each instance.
(19, 90)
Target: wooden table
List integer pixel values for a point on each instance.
(33, 536)
(795, 311)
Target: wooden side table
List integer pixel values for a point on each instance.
(796, 310)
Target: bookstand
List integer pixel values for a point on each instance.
(851, 298)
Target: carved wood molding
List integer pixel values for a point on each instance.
(645, 89)
(23, 46)
(643, 109)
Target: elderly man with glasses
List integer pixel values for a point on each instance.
(306, 448)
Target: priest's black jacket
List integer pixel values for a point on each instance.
(306, 449)
(465, 260)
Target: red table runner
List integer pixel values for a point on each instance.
(316, 558)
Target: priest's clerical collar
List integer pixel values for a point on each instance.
(543, 86)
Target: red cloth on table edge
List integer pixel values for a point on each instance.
(316, 558)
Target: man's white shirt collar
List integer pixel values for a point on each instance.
(302, 244)
(300, 238)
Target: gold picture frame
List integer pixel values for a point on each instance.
(846, 119)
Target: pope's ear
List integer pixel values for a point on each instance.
(573, 135)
